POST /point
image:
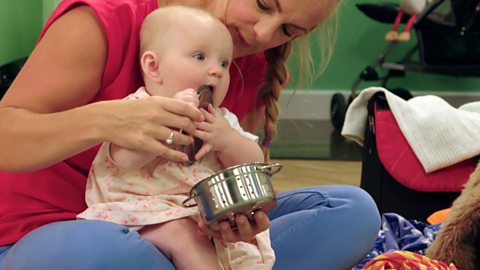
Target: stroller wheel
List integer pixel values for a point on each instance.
(338, 109)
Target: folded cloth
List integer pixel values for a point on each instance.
(471, 107)
(439, 134)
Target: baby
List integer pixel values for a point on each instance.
(181, 49)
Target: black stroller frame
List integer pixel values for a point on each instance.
(430, 35)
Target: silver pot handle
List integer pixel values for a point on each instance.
(270, 168)
(188, 199)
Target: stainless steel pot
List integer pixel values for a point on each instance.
(241, 189)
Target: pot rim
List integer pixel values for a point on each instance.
(235, 167)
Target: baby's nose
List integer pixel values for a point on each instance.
(216, 71)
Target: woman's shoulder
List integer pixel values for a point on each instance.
(111, 13)
(118, 22)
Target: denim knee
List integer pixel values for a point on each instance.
(84, 245)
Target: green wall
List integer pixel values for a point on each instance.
(48, 6)
(359, 42)
(21, 22)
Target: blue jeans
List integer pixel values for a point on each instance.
(327, 227)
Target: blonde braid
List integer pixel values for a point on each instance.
(269, 91)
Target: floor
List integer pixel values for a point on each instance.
(312, 139)
(313, 153)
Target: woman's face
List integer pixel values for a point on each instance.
(257, 25)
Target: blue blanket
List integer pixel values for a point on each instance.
(398, 233)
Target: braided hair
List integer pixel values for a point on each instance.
(276, 74)
(269, 91)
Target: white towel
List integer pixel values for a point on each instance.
(439, 134)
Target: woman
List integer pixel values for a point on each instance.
(64, 102)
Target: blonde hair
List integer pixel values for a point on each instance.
(276, 74)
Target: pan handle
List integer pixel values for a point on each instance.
(187, 200)
(270, 168)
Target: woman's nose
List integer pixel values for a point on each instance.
(264, 31)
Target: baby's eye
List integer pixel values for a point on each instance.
(225, 63)
(199, 56)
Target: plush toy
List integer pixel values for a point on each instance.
(409, 7)
(457, 240)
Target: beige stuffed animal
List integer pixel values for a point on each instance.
(411, 7)
(455, 242)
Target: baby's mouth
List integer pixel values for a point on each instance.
(205, 98)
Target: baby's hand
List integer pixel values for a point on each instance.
(245, 231)
(215, 132)
(188, 95)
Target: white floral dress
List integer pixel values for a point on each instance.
(154, 194)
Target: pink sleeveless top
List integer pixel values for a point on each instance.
(32, 199)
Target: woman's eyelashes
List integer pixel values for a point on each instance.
(263, 6)
(285, 31)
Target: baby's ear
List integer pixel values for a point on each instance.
(150, 65)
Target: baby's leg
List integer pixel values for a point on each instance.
(183, 243)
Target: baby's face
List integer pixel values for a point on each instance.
(197, 52)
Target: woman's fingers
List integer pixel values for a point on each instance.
(152, 124)
(168, 153)
(181, 108)
(175, 137)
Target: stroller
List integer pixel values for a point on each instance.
(448, 43)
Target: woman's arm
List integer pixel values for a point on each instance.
(44, 117)
(63, 72)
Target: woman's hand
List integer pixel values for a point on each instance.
(245, 232)
(145, 124)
